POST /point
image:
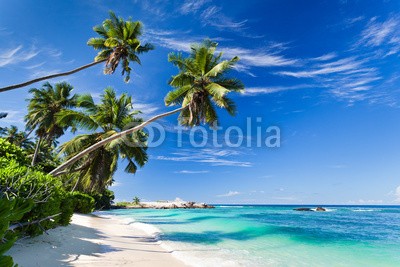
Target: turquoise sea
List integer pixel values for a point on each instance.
(276, 235)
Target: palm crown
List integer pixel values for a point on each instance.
(44, 106)
(119, 43)
(201, 84)
(108, 118)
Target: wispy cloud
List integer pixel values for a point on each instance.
(338, 66)
(230, 194)
(191, 172)
(214, 157)
(213, 16)
(147, 109)
(253, 91)
(325, 57)
(192, 6)
(269, 56)
(376, 33)
(16, 55)
(259, 57)
(382, 36)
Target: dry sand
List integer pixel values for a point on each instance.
(93, 241)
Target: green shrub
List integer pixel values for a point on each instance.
(9, 151)
(104, 200)
(68, 207)
(44, 190)
(123, 204)
(83, 202)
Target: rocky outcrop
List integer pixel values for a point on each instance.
(310, 209)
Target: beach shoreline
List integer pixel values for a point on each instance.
(92, 240)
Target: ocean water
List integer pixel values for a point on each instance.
(276, 235)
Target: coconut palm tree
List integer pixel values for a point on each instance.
(106, 119)
(201, 83)
(136, 200)
(43, 108)
(118, 43)
(16, 137)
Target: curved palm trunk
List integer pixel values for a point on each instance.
(76, 184)
(36, 151)
(15, 86)
(109, 139)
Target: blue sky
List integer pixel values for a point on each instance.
(327, 73)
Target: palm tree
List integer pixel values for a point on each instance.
(201, 82)
(118, 43)
(106, 119)
(136, 200)
(43, 108)
(16, 137)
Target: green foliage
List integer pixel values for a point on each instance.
(103, 201)
(43, 107)
(10, 211)
(119, 44)
(45, 191)
(9, 151)
(123, 204)
(68, 208)
(83, 202)
(136, 200)
(201, 84)
(112, 115)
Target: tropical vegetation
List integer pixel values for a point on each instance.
(96, 169)
(42, 183)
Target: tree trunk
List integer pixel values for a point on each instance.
(109, 139)
(15, 86)
(76, 184)
(36, 151)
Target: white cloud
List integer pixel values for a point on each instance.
(341, 65)
(397, 194)
(266, 57)
(192, 6)
(376, 33)
(16, 55)
(214, 157)
(191, 172)
(325, 57)
(214, 17)
(369, 201)
(147, 109)
(230, 194)
(253, 91)
(258, 57)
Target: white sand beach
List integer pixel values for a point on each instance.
(93, 241)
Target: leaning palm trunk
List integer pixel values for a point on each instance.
(36, 151)
(15, 86)
(57, 171)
